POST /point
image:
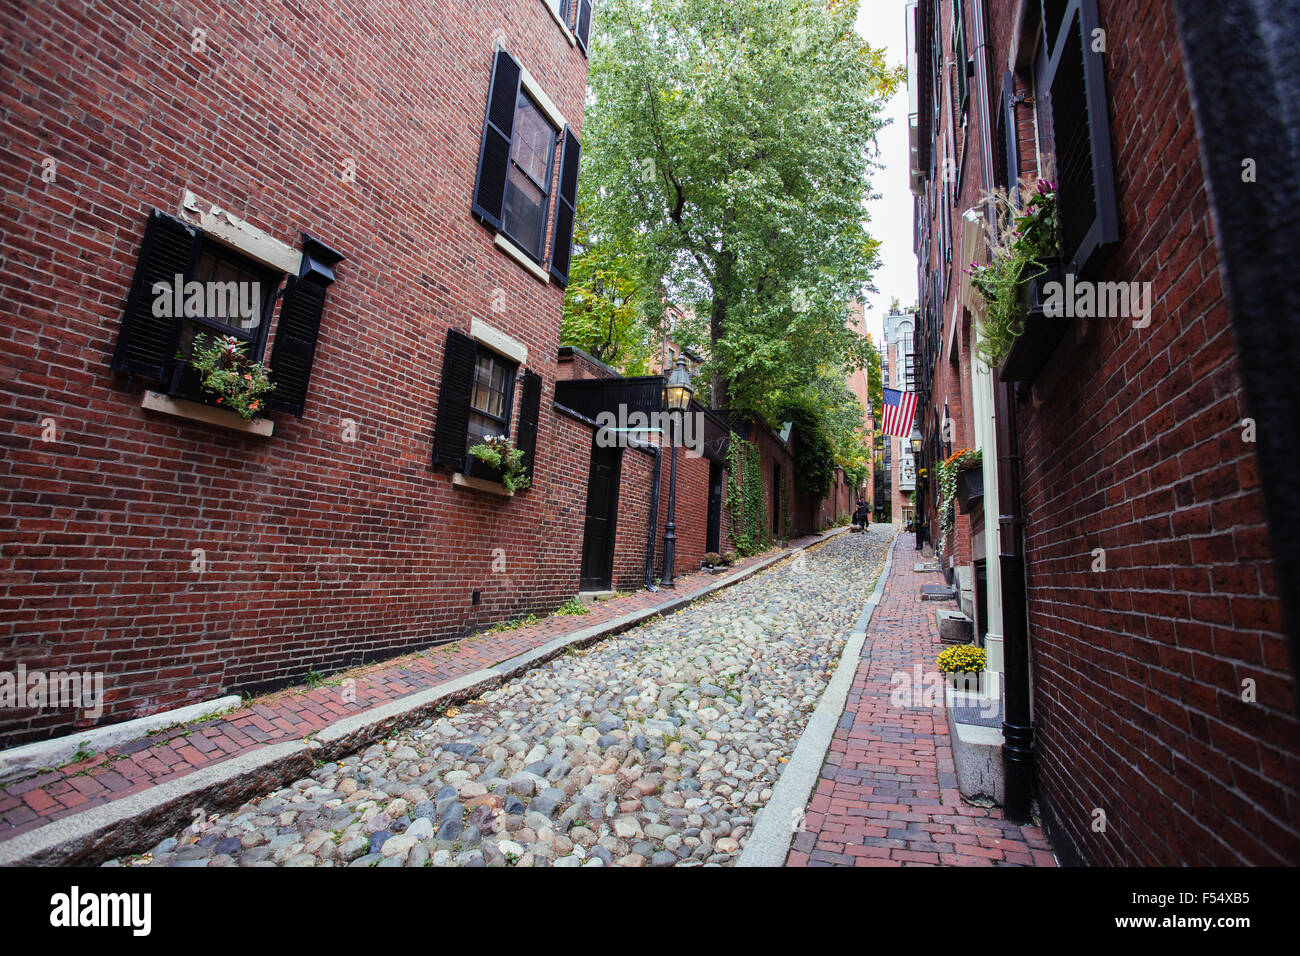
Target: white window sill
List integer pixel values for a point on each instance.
(193, 411)
(514, 252)
(480, 484)
(564, 27)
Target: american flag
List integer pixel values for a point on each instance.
(900, 408)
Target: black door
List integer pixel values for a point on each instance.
(602, 507)
(713, 532)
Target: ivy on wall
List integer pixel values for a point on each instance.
(749, 534)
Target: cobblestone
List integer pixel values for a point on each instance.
(655, 748)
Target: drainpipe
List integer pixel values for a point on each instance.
(654, 512)
(1017, 726)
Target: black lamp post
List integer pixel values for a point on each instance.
(915, 442)
(677, 398)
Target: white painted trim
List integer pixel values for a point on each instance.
(568, 34)
(61, 750)
(514, 252)
(498, 341)
(196, 412)
(534, 89)
(244, 237)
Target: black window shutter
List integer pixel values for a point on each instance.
(1008, 153)
(1075, 82)
(494, 151)
(961, 56)
(566, 205)
(582, 29)
(529, 410)
(146, 343)
(451, 430)
(295, 344)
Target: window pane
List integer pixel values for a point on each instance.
(532, 141)
(481, 427)
(524, 212)
(489, 388)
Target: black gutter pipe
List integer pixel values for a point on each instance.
(1017, 725)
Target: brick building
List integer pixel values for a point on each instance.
(409, 259)
(1144, 595)
(901, 375)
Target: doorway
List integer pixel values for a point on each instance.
(602, 511)
(713, 532)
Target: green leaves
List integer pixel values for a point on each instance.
(727, 147)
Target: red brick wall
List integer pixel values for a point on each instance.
(1132, 444)
(691, 513)
(320, 552)
(635, 494)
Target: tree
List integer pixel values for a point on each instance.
(612, 309)
(732, 139)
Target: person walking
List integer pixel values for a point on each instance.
(862, 515)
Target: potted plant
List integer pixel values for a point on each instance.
(970, 481)
(1015, 331)
(712, 562)
(228, 375)
(962, 460)
(498, 453)
(962, 665)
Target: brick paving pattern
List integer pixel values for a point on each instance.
(888, 790)
(294, 713)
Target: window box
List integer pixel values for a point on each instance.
(196, 412)
(1042, 334)
(461, 480)
(970, 488)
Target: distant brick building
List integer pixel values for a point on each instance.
(1162, 691)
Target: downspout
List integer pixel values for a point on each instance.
(1017, 726)
(654, 512)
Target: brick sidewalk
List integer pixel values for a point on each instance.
(297, 712)
(888, 790)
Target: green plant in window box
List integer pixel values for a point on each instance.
(497, 451)
(237, 382)
(1026, 235)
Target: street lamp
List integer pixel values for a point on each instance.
(677, 398)
(915, 441)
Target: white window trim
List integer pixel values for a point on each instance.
(503, 243)
(568, 34)
(498, 341)
(228, 229)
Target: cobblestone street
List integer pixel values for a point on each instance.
(656, 747)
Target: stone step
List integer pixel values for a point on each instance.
(954, 626)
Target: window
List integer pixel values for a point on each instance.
(187, 284)
(490, 398)
(475, 399)
(1074, 121)
(528, 186)
(516, 169)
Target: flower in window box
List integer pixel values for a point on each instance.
(497, 451)
(227, 372)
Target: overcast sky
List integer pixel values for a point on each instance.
(881, 22)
